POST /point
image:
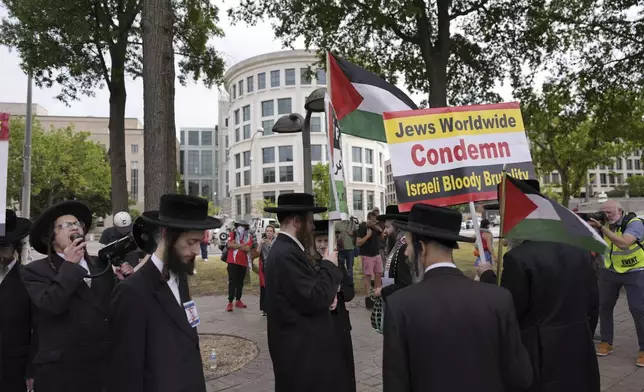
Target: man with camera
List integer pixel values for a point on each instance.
(623, 267)
(122, 227)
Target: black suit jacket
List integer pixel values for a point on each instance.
(71, 320)
(556, 302)
(301, 334)
(154, 348)
(16, 343)
(449, 333)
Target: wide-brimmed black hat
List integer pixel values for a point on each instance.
(15, 228)
(296, 203)
(241, 223)
(44, 223)
(434, 222)
(393, 213)
(182, 212)
(534, 184)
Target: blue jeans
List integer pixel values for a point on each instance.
(204, 250)
(345, 258)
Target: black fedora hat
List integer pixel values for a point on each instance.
(534, 184)
(296, 203)
(44, 223)
(393, 213)
(15, 228)
(434, 222)
(182, 212)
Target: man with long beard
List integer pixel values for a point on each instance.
(155, 346)
(301, 335)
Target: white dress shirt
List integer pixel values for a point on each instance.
(294, 239)
(9, 267)
(438, 265)
(173, 282)
(82, 263)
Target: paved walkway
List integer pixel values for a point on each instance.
(619, 373)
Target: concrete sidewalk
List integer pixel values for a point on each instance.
(618, 371)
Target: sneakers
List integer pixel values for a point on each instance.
(240, 304)
(229, 308)
(640, 359)
(603, 349)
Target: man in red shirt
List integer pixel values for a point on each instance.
(205, 241)
(240, 243)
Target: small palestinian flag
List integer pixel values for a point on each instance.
(360, 97)
(532, 216)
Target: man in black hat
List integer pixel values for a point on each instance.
(15, 309)
(554, 289)
(70, 308)
(301, 335)
(155, 346)
(449, 333)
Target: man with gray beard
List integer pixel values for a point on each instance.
(301, 334)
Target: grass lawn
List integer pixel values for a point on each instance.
(212, 278)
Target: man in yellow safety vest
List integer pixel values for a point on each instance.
(623, 267)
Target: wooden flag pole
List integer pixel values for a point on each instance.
(499, 260)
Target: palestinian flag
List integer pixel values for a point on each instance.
(360, 97)
(532, 216)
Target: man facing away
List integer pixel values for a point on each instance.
(368, 239)
(301, 336)
(449, 333)
(155, 346)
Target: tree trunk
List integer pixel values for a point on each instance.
(158, 100)
(436, 57)
(118, 96)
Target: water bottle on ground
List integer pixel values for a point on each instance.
(212, 361)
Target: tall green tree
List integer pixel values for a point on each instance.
(65, 166)
(321, 185)
(572, 132)
(452, 50)
(82, 45)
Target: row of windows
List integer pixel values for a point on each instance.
(193, 138)
(196, 165)
(201, 188)
(604, 179)
(359, 200)
(631, 164)
(247, 207)
(275, 80)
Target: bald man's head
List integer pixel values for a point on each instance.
(613, 211)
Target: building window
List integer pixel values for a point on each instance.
(316, 124)
(275, 78)
(134, 181)
(368, 156)
(546, 178)
(286, 173)
(284, 106)
(268, 108)
(371, 201)
(268, 155)
(357, 173)
(238, 179)
(555, 178)
(629, 164)
(238, 202)
(183, 137)
(357, 201)
(611, 179)
(227, 177)
(618, 164)
(602, 179)
(206, 163)
(246, 131)
(356, 154)
(610, 167)
(246, 158)
(237, 161)
(382, 201)
(289, 77)
(234, 91)
(247, 206)
(193, 163)
(247, 177)
(182, 157)
(250, 85)
(638, 164)
(267, 125)
(135, 148)
(269, 197)
(237, 117)
(320, 75)
(206, 138)
(237, 138)
(226, 144)
(241, 88)
(286, 153)
(305, 76)
(316, 152)
(369, 174)
(261, 81)
(269, 175)
(193, 138)
(246, 113)
(206, 189)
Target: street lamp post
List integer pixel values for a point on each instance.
(250, 179)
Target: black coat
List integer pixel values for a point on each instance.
(449, 333)
(16, 343)
(556, 301)
(400, 272)
(342, 324)
(301, 334)
(160, 351)
(71, 321)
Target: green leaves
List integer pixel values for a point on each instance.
(321, 184)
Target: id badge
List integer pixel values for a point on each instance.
(191, 313)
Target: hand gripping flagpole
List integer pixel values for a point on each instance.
(499, 259)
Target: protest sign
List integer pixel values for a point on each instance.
(455, 155)
(338, 209)
(4, 159)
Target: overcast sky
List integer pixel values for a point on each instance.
(195, 105)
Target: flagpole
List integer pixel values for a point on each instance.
(499, 259)
(329, 140)
(477, 233)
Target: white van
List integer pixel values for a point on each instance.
(258, 226)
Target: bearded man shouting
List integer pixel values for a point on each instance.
(153, 325)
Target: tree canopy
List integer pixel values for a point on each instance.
(321, 186)
(65, 166)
